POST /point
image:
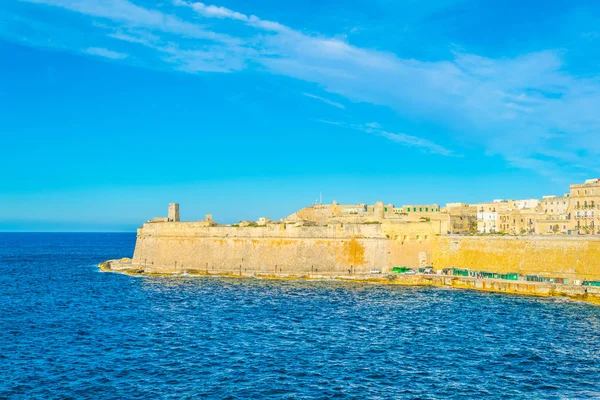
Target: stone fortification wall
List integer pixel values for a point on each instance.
(560, 257)
(356, 249)
(276, 248)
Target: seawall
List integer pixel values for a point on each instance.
(176, 247)
(357, 248)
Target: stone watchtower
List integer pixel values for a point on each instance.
(173, 212)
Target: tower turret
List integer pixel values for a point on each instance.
(173, 212)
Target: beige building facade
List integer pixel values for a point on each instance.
(463, 217)
(518, 222)
(584, 207)
(555, 206)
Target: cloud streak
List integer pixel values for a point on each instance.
(403, 139)
(212, 11)
(133, 15)
(106, 53)
(326, 101)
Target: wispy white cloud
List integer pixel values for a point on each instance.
(140, 37)
(324, 100)
(131, 14)
(106, 53)
(414, 141)
(523, 108)
(403, 139)
(212, 11)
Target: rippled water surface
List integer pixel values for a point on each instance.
(68, 330)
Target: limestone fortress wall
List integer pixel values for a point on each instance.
(348, 248)
(572, 257)
(277, 248)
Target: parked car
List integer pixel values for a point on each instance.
(411, 272)
(375, 271)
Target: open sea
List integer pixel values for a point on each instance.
(68, 330)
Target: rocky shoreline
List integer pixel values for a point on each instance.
(589, 294)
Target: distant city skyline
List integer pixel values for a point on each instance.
(111, 109)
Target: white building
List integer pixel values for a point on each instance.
(486, 222)
(526, 204)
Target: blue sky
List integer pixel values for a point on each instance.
(111, 109)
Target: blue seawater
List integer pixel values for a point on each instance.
(70, 331)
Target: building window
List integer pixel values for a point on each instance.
(426, 209)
